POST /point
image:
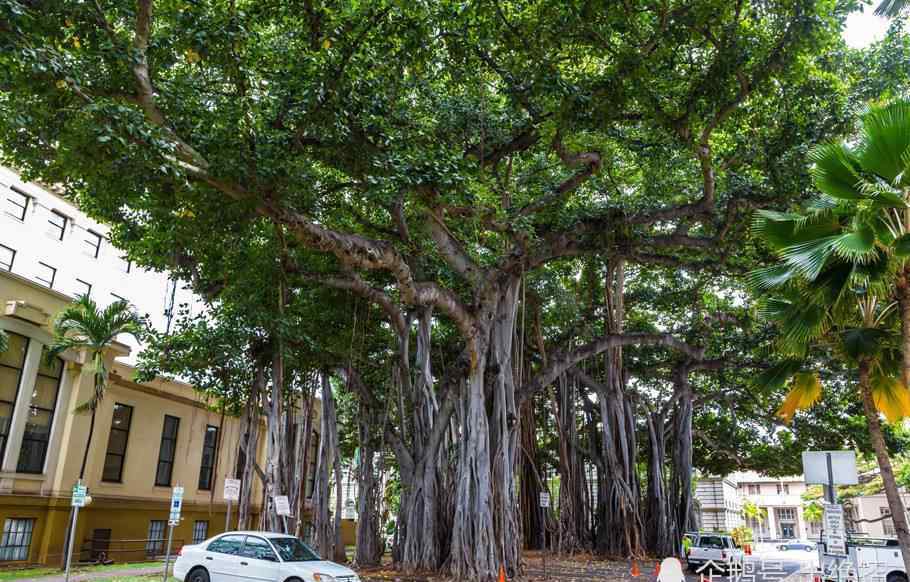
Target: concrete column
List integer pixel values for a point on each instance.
(23, 401)
(772, 523)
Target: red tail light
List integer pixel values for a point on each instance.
(180, 552)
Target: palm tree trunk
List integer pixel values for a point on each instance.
(898, 515)
(88, 445)
(903, 301)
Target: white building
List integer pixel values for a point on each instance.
(722, 500)
(47, 239)
(721, 506)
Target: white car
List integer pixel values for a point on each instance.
(256, 556)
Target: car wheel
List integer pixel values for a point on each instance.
(197, 575)
(897, 577)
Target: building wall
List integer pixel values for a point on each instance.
(34, 241)
(873, 507)
(721, 509)
(125, 507)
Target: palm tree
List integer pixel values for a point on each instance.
(83, 326)
(752, 512)
(836, 284)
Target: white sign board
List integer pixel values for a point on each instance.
(843, 467)
(282, 505)
(79, 493)
(835, 533)
(545, 500)
(232, 489)
(176, 503)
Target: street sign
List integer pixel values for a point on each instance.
(176, 504)
(232, 489)
(545, 500)
(282, 505)
(835, 534)
(79, 493)
(842, 467)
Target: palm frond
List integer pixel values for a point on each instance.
(836, 171)
(891, 397)
(809, 258)
(857, 245)
(805, 390)
(885, 140)
(891, 8)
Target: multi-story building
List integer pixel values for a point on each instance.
(864, 515)
(147, 439)
(46, 239)
(779, 499)
(721, 506)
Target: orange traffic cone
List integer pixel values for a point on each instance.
(635, 571)
(502, 573)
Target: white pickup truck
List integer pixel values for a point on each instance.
(714, 551)
(868, 560)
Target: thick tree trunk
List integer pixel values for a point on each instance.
(682, 461)
(620, 528)
(249, 446)
(658, 513)
(474, 543)
(324, 527)
(369, 541)
(529, 478)
(572, 522)
(504, 431)
(903, 299)
(892, 493)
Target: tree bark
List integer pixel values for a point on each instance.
(892, 493)
(324, 527)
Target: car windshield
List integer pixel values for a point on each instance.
(294, 550)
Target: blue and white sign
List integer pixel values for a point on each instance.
(79, 494)
(176, 503)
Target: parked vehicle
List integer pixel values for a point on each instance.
(714, 551)
(797, 545)
(260, 556)
(868, 560)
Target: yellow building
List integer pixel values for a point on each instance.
(147, 439)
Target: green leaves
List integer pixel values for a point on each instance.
(901, 246)
(885, 140)
(836, 171)
(805, 390)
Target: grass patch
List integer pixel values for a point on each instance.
(24, 573)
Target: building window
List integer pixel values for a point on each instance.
(154, 545)
(125, 264)
(753, 488)
(17, 203)
(46, 274)
(167, 452)
(786, 513)
(40, 416)
(888, 523)
(7, 256)
(786, 489)
(200, 531)
(92, 244)
(82, 288)
(56, 225)
(116, 443)
(17, 537)
(11, 363)
(209, 450)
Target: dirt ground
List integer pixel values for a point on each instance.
(552, 568)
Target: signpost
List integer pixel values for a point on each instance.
(835, 536)
(173, 520)
(831, 468)
(544, 505)
(283, 508)
(231, 494)
(79, 499)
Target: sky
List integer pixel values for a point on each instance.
(864, 28)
